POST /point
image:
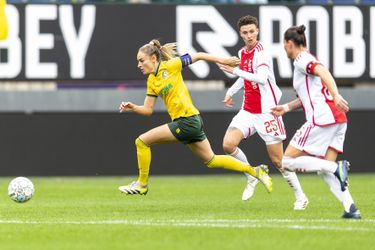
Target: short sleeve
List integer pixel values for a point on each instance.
(306, 63)
(150, 90)
(174, 64)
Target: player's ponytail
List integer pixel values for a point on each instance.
(162, 52)
(168, 51)
(296, 34)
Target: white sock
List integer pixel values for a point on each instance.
(308, 164)
(240, 155)
(292, 179)
(334, 185)
(348, 200)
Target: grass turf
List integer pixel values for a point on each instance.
(201, 212)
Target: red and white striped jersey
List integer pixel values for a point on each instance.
(316, 100)
(258, 98)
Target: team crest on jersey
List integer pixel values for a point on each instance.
(164, 74)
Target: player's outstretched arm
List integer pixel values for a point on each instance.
(280, 110)
(146, 109)
(330, 83)
(260, 77)
(232, 61)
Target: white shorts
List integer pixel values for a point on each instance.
(316, 140)
(270, 128)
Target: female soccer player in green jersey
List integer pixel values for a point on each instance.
(163, 67)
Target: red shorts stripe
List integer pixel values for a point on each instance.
(281, 127)
(306, 136)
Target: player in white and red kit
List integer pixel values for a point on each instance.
(315, 146)
(261, 93)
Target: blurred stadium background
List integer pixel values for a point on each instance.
(67, 65)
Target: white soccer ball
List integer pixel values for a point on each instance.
(21, 189)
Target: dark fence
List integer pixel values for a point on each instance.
(44, 144)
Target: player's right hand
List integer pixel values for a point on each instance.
(232, 61)
(126, 106)
(278, 110)
(341, 103)
(228, 101)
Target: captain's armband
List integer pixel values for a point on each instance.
(186, 60)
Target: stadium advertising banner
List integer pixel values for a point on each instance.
(100, 42)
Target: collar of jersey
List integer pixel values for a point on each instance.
(249, 51)
(157, 69)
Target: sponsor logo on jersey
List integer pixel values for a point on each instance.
(165, 90)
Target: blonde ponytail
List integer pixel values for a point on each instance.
(168, 51)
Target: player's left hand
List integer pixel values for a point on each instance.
(226, 68)
(278, 110)
(341, 103)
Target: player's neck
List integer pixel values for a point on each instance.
(252, 46)
(298, 51)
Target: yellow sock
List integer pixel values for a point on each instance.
(230, 163)
(3, 21)
(144, 161)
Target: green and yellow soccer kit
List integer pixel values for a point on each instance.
(167, 83)
(186, 125)
(3, 21)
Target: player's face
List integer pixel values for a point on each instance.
(146, 64)
(249, 34)
(288, 47)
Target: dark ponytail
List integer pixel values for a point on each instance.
(297, 35)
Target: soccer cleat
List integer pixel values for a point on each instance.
(134, 188)
(301, 204)
(353, 213)
(262, 175)
(249, 189)
(342, 173)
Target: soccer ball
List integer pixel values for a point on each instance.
(21, 189)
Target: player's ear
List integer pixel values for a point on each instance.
(153, 58)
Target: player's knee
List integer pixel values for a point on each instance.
(140, 144)
(277, 163)
(287, 163)
(228, 147)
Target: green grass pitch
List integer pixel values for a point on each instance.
(191, 212)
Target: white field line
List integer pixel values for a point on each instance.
(297, 224)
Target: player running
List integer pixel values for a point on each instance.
(163, 68)
(315, 145)
(260, 95)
